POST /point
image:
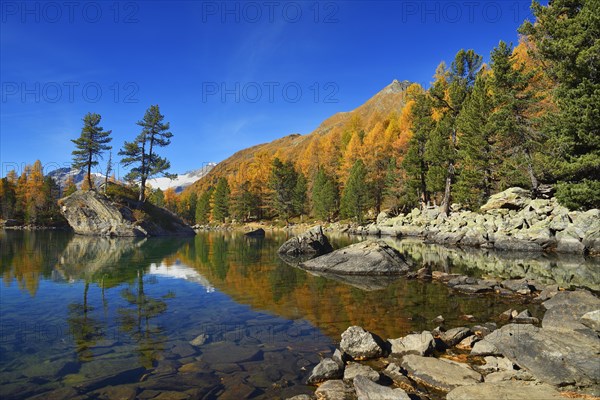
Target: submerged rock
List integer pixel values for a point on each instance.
(312, 242)
(371, 257)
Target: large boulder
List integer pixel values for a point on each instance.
(92, 213)
(371, 257)
(514, 198)
(312, 242)
(557, 357)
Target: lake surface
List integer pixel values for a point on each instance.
(89, 317)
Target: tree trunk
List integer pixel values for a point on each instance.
(89, 171)
(534, 181)
(449, 178)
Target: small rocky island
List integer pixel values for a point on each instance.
(118, 214)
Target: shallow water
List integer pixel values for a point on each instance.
(106, 318)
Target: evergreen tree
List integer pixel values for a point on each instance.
(157, 197)
(8, 197)
(355, 195)
(220, 208)
(299, 199)
(325, 196)
(203, 207)
(190, 214)
(70, 186)
(512, 99)
(566, 35)
(449, 92)
(90, 145)
(414, 163)
(478, 161)
(142, 151)
(245, 202)
(109, 168)
(282, 183)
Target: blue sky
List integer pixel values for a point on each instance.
(227, 75)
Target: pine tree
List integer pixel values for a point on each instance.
(477, 155)
(90, 145)
(203, 207)
(449, 92)
(142, 151)
(355, 195)
(565, 35)
(299, 199)
(220, 208)
(109, 167)
(512, 99)
(325, 196)
(8, 197)
(414, 163)
(70, 186)
(282, 183)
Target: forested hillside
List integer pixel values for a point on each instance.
(529, 117)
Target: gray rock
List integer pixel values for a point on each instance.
(568, 241)
(370, 257)
(312, 242)
(335, 390)
(368, 390)
(92, 213)
(566, 308)
(361, 344)
(521, 286)
(547, 293)
(507, 375)
(339, 357)
(394, 372)
(513, 198)
(509, 243)
(591, 320)
(301, 397)
(438, 373)
(505, 391)
(525, 317)
(325, 370)
(418, 343)
(493, 364)
(485, 348)
(565, 358)
(354, 369)
(453, 336)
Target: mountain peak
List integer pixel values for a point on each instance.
(396, 86)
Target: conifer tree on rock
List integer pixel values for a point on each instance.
(90, 145)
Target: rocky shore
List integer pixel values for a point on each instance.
(519, 360)
(510, 220)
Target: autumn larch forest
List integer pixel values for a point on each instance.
(530, 118)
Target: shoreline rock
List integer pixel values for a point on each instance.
(509, 221)
(515, 361)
